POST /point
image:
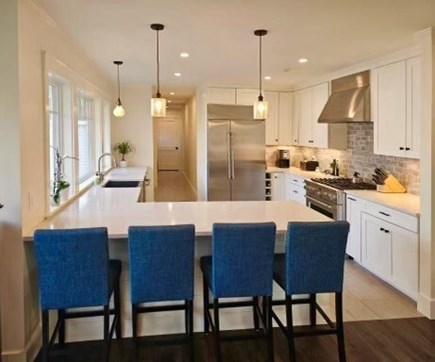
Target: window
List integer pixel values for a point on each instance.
(54, 122)
(85, 138)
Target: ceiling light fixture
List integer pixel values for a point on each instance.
(172, 94)
(177, 74)
(184, 55)
(303, 60)
(119, 110)
(158, 104)
(267, 77)
(261, 107)
(169, 101)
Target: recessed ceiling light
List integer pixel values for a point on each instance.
(184, 55)
(172, 94)
(303, 60)
(177, 74)
(169, 101)
(268, 77)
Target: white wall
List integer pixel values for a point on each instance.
(426, 300)
(190, 142)
(38, 34)
(201, 144)
(137, 127)
(11, 246)
(26, 32)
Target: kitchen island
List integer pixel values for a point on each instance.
(118, 208)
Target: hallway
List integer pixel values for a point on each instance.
(173, 186)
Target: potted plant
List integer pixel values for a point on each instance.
(123, 148)
(59, 184)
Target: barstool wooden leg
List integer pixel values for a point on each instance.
(290, 337)
(313, 313)
(45, 335)
(255, 314)
(340, 328)
(186, 316)
(117, 303)
(61, 316)
(134, 321)
(106, 333)
(206, 304)
(269, 328)
(217, 330)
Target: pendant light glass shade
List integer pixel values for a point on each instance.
(158, 107)
(158, 104)
(119, 110)
(261, 108)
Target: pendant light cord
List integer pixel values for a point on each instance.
(260, 66)
(158, 65)
(119, 86)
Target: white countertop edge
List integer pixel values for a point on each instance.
(394, 201)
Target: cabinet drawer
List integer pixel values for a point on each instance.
(393, 216)
(297, 181)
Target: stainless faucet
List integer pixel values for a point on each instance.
(99, 173)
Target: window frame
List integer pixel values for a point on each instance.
(91, 121)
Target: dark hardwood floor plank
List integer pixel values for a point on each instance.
(400, 340)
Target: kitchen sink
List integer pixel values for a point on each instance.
(122, 184)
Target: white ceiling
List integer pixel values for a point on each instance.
(218, 35)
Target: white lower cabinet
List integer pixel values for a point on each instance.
(278, 190)
(354, 207)
(295, 189)
(391, 252)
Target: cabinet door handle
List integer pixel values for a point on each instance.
(350, 198)
(384, 213)
(382, 229)
(310, 141)
(401, 148)
(387, 231)
(295, 192)
(407, 149)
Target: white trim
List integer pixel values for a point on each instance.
(426, 306)
(190, 183)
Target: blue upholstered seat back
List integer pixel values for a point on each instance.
(243, 259)
(315, 256)
(161, 262)
(73, 267)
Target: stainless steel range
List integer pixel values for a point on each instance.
(327, 196)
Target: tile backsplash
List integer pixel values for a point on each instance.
(358, 157)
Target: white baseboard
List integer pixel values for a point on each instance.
(193, 188)
(426, 306)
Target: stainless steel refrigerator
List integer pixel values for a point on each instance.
(236, 154)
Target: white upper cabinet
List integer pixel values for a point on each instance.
(273, 118)
(221, 95)
(306, 118)
(319, 130)
(247, 97)
(285, 120)
(396, 107)
(306, 131)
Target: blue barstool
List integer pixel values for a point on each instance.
(162, 269)
(241, 265)
(75, 272)
(313, 263)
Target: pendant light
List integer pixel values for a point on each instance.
(119, 110)
(261, 108)
(158, 104)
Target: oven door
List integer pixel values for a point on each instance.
(328, 210)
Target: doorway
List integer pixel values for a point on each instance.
(169, 148)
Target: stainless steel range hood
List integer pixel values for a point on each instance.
(349, 101)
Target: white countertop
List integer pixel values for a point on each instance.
(298, 172)
(117, 209)
(406, 203)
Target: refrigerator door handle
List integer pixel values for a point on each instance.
(229, 156)
(232, 165)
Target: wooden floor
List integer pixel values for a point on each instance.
(173, 186)
(383, 340)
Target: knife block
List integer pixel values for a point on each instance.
(391, 185)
